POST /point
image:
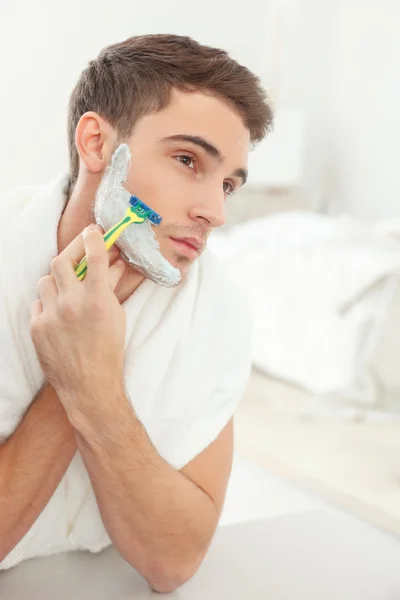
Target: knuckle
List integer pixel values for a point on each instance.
(56, 263)
(97, 305)
(35, 325)
(97, 258)
(43, 283)
(36, 334)
(68, 310)
(48, 323)
(113, 253)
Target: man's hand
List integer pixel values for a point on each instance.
(78, 327)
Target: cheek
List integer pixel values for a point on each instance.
(158, 185)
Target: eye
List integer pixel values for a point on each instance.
(228, 188)
(186, 160)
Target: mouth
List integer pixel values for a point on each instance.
(190, 247)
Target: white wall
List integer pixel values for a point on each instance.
(338, 61)
(44, 45)
(343, 71)
(306, 85)
(366, 88)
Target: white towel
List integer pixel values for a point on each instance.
(187, 351)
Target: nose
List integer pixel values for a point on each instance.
(209, 208)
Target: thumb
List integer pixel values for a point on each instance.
(115, 273)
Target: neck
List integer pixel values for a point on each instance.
(77, 215)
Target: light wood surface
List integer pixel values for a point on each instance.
(353, 464)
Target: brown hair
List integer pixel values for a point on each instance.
(136, 77)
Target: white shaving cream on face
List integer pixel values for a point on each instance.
(138, 244)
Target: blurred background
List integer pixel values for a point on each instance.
(314, 238)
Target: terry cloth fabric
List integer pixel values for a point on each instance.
(187, 361)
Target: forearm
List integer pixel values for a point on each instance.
(32, 463)
(159, 520)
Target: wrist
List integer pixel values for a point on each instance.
(89, 396)
(100, 416)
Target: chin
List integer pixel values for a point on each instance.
(183, 263)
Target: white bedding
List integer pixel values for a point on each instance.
(322, 291)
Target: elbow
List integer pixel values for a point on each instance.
(166, 578)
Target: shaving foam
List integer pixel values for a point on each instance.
(138, 244)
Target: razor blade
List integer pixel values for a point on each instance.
(144, 211)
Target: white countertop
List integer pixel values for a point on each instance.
(311, 555)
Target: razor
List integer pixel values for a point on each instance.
(137, 212)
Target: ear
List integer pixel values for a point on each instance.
(95, 140)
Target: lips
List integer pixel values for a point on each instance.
(192, 242)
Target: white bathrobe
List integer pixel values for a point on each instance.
(187, 361)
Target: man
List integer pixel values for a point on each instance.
(117, 394)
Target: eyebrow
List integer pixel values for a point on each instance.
(208, 148)
(242, 173)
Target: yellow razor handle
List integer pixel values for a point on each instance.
(110, 238)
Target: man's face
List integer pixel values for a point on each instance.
(186, 160)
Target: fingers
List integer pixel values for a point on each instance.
(36, 310)
(75, 251)
(115, 273)
(97, 258)
(63, 265)
(113, 254)
(47, 291)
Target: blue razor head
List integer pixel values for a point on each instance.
(142, 210)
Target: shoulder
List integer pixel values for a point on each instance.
(12, 205)
(16, 199)
(19, 199)
(20, 204)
